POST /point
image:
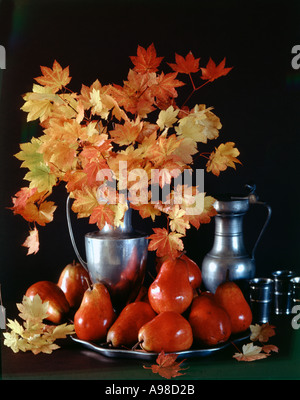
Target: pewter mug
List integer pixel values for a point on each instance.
(228, 257)
(116, 257)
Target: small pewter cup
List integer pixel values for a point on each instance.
(283, 291)
(261, 299)
(295, 291)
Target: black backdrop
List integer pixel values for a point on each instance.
(258, 104)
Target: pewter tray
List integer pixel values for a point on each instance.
(112, 352)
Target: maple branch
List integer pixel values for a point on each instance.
(236, 347)
(194, 90)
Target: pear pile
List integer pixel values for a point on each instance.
(173, 314)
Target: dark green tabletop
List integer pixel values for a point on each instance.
(74, 362)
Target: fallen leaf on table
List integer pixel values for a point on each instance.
(166, 366)
(250, 353)
(262, 333)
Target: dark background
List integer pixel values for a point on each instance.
(258, 104)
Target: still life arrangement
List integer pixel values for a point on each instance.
(110, 145)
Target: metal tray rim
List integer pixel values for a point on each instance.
(144, 355)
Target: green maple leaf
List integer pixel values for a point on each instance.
(40, 177)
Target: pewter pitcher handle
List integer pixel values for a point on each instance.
(253, 200)
(84, 264)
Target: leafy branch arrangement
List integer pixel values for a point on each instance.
(95, 139)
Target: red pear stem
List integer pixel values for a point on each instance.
(137, 345)
(88, 283)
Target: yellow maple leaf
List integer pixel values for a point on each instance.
(224, 156)
(39, 103)
(167, 118)
(85, 201)
(178, 220)
(200, 125)
(34, 335)
(32, 242)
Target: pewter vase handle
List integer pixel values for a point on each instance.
(84, 264)
(269, 212)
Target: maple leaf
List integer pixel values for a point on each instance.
(270, 347)
(164, 89)
(167, 118)
(146, 210)
(33, 309)
(32, 242)
(126, 134)
(201, 211)
(101, 215)
(39, 103)
(178, 220)
(250, 353)
(54, 78)
(186, 149)
(224, 156)
(34, 335)
(185, 65)
(166, 366)
(262, 333)
(85, 201)
(213, 71)
(201, 124)
(165, 243)
(146, 60)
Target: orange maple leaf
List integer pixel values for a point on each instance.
(166, 366)
(224, 156)
(55, 78)
(101, 215)
(213, 71)
(164, 89)
(165, 243)
(185, 65)
(146, 60)
(126, 134)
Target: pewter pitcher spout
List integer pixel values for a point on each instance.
(228, 257)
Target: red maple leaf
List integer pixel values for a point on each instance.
(185, 65)
(146, 60)
(166, 366)
(213, 71)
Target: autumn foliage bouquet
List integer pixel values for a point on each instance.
(111, 145)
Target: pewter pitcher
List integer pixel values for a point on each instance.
(228, 258)
(116, 257)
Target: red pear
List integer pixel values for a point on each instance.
(195, 275)
(74, 281)
(229, 296)
(124, 331)
(95, 315)
(210, 322)
(51, 292)
(171, 290)
(168, 331)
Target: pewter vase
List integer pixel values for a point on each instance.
(228, 258)
(116, 257)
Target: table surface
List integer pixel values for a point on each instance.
(75, 362)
